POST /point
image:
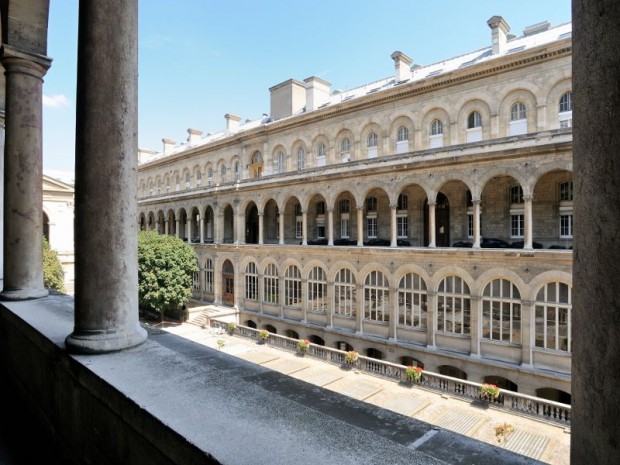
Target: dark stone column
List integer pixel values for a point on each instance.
(23, 166)
(106, 261)
(596, 293)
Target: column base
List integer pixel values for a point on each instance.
(24, 294)
(98, 342)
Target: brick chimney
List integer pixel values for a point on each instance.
(402, 66)
(232, 121)
(317, 92)
(499, 29)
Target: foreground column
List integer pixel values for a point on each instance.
(106, 286)
(595, 429)
(23, 190)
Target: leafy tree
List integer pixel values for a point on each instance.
(165, 269)
(53, 277)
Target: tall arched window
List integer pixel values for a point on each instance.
(198, 178)
(301, 158)
(187, 181)
(251, 282)
(412, 309)
(292, 286)
(565, 115)
(453, 306)
(271, 285)
(237, 171)
(320, 155)
(344, 293)
(210, 176)
(372, 139)
(403, 134)
(518, 120)
(317, 290)
(209, 276)
(345, 145)
(280, 162)
(474, 120)
(196, 278)
(517, 112)
(501, 312)
(553, 317)
(223, 173)
(376, 297)
(436, 136)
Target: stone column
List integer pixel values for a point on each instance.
(595, 428)
(431, 312)
(202, 229)
(281, 226)
(261, 227)
(304, 227)
(475, 310)
(304, 301)
(360, 226)
(106, 249)
(527, 211)
(359, 311)
(476, 219)
(527, 332)
(330, 226)
(167, 227)
(431, 225)
(394, 240)
(219, 228)
(188, 229)
(393, 313)
(177, 224)
(23, 169)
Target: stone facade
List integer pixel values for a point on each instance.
(365, 222)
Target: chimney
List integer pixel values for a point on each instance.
(168, 146)
(317, 92)
(402, 66)
(287, 98)
(499, 29)
(232, 122)
(536, 28)
(193, 136)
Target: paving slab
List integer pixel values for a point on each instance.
(286, 366)
(359, 389)
(405, 404)
(526, 443)
(317, 377)
(460, 421)
(258, 357)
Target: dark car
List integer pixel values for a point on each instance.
(376, 242)
(521, 244)
(492, 243)
(343, 241)
(463, 244)
(558, 247)
(403, 243)
(317, 242)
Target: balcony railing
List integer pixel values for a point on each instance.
(542, 409)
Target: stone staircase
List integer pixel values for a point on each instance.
(200, 319)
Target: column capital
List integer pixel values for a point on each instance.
(527, 197)
(475, 201)
(16, 60)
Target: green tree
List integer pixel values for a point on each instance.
(166, 266)
(53, 277)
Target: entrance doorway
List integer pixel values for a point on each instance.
(228, 283)
(442, 222)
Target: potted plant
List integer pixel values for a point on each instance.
(489, 391)
(263, 335)
(351, 357)
(414, 373)
(302, 346)
(230, 327)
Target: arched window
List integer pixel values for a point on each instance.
(372, 140)
(344, 293)
(271, 285)
(210, 176)
(187, 182)
(177, 183)
(251, 282)
(292, 286)
(501, 312)
(317, 290)
(453, 306)
(198, 178)
(474, 120)
(403, 134)
(237, 171)
(209, 276)
(280, 162)
(436, 127)
(376, 297)
(566, 102)
(223, 173)
(196, 278)
(412, 309)
(345, 145)
(553, 317)
(320, 151)
(257, 158)
(517, 112)
(301, 158)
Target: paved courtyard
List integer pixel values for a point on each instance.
(538, 440)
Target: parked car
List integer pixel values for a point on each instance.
(377, 242)
(343, 241)
(521, 244)
(317, 242)
(464, 244)
(492, 243)
(403, 243)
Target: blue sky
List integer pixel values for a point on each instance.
(201, 59)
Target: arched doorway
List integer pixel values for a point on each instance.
(442, 221)
(454, 372)
(228, 283)
(251, 225)
(256, 167)
(318, 340)
(501, 382)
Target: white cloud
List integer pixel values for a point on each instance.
(55, 101)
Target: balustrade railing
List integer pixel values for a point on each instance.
(513, 401)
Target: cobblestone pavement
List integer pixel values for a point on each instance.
(536, 439)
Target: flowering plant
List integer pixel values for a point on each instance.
(414, 373)
(489, 391)
(351, 356)
(503, 430)
(263, 334)
(231, 327)
(303, 345)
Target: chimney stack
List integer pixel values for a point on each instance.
(499, 29)
(287, 98)
(168, 146)
(402, 66)
(193, 136)
(317, 92)
(232, 122)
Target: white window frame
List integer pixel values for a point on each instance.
(345, 301)
(376, 297)
(412, 305)
(501, 312)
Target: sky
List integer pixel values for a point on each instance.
(201, 59)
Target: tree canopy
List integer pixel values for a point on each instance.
(53, 277)
(165, 270)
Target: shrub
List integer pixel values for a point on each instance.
(351, 356)
(53, 277)
(303, 345)
(263, 334)
(414, 373)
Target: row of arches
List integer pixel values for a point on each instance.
(518, 114)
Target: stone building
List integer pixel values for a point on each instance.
(424, 218)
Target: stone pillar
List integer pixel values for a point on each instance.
(527, 331)
(261, 227)
(167, 227)
(431, 225)
(281, 226)
(106, 249)
(202, 229)
(304, 300)
(595, 428)
(394, 240)
(23, 169)
(431, 307)
(218, 227)
(359, 311)
(304, 227)
(527, 214)
(475, 314)
(330, 226)
(476, 219)
(177, 224)
(360, 226)
(393, 313)
(188, 229)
